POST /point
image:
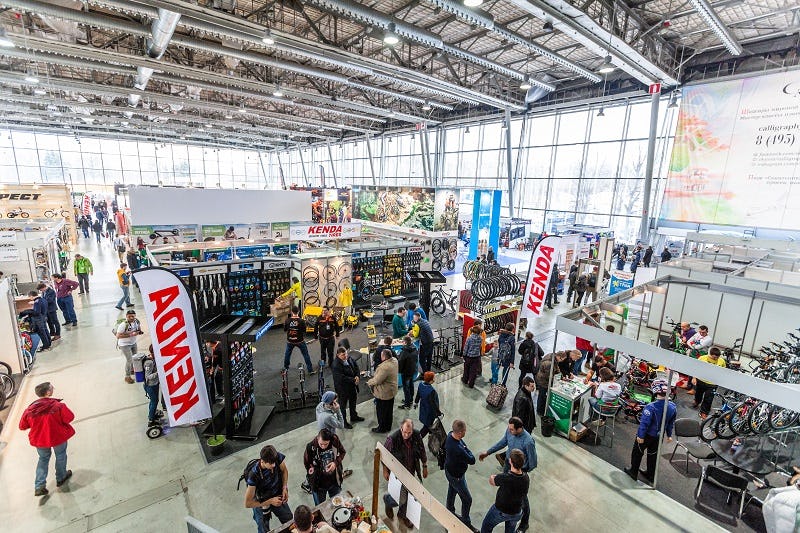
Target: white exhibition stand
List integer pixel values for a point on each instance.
(10, 351)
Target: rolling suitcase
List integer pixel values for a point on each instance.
(497, 393)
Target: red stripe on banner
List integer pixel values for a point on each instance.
(538, 280)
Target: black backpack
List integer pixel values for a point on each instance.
(250, 464)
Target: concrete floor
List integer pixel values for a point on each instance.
(124, 481)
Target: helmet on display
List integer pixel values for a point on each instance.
(659, 386)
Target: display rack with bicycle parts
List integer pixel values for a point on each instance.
(241, 416)
(300, 397)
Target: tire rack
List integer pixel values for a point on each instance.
(241, 416)
(323, 278)
(443, 253)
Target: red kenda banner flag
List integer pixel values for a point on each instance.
(176, 345)
(86, 205)
(539, 278)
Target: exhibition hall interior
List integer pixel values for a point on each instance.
(399, 265)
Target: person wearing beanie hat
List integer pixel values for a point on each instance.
(428, 401)
(329, 415)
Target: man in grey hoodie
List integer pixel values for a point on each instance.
(329, 415)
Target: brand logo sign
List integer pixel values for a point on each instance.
(19, 196)
(176, 345)
(324, 232)
(539, 277)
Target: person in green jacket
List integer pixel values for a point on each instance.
(83, 269)
(399, 328)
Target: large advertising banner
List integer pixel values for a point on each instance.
(544, 256)
(328, 205)
(736, 157)
(409, 207)
(165, 234)
(176, 345)
(445, 210)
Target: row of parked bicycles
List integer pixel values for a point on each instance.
(8, 386)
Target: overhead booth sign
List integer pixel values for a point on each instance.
(324, 232)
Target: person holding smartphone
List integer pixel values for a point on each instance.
(127, 334)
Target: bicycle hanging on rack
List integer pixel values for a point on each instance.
(14, 213)
(441, 301)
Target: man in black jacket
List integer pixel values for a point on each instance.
(407, 367)
(531, 355)
(425, 341)
(295, 328)
(523, 404)
(376, 355)
(458, 457)
(326, 330)
(406, 446)
(49, 295)
(552, 289)
(345, 382)
(323, 461)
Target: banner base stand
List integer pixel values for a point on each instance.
(249, 429)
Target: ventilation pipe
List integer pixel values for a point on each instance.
(162, 29)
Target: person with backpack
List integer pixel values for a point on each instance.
(472, 357)
(124, 278)
(323, 461)
(127, 332)
(407, 361)
(523, 404)
(530, 357)
(457, 459)
(505, 350)
(580, 288)
(97, 228)
(83, 269)
(427, 400)
(267, 491)
(295, 328)
(121, 245)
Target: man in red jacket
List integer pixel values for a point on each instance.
(48, 419)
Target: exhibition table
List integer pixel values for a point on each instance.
(324, 512)
(565, 401)
(747, 457)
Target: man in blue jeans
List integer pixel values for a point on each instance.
(295, 328)
(512, 489)
(458, 457)
(49, 422)
(516, 438)
(64, 288)
(268, 489)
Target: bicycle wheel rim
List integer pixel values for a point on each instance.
(708, 431)
(758, 419)
(5, 368)
(8, 385)
(438, 306)
(722, 428)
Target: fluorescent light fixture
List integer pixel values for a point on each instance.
(526, 83)
(601, 113)
(5, 42)
(391, 113)
(277, 93)
(209, 126)
(242, 108)
(426, 106)
(31, 77)
(713, 21)
(39, 92)
(389, 36)
(473, 3)
(200, 129)
(606, 67)
(267, 38)
(228, 115)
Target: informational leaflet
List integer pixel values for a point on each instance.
(414, 510)
(394, 487)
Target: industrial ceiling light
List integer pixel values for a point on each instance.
(5, 42)
(267, 38)
(473, 3)
(601, 113)
(39, 92)
(713, 21)
(466, 130)
(242, 108)
(526, 83)
(391, 113)
(606, 67)
(277, 93)
(389, 36)
(426, 106)
(548, 26)
(209, 126)
(673, 100)
(228, 115)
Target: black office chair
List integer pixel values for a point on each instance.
(727, 481)
(697, 449)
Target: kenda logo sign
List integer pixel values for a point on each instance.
(539, 277)
(324, 232)
(175, 345)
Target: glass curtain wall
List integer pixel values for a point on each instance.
(570, 167)
(88, 164)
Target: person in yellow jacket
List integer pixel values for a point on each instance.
(297, 290)
(346, 299)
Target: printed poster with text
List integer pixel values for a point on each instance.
(736, 153)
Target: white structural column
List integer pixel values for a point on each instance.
(509, 166)
(369, 158)
(644, 231)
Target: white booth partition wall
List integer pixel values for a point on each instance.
(9, 333)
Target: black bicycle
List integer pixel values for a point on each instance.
(441, 301)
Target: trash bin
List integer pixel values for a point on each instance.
(548, 426)
(138, 366)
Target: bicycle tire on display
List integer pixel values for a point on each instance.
(438, 306)
(708, 430)
(782, 418)
(7, 385)
(5, 368)
(738, 420)
(451, 264)
(722, 428)
(436, 248)
(758, 418)
(329, 272)
(436, 264)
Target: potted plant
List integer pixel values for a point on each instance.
(216, 444)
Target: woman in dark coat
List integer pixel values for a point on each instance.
(428, 402)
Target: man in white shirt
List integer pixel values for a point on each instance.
(127, 333)
(700, 342)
